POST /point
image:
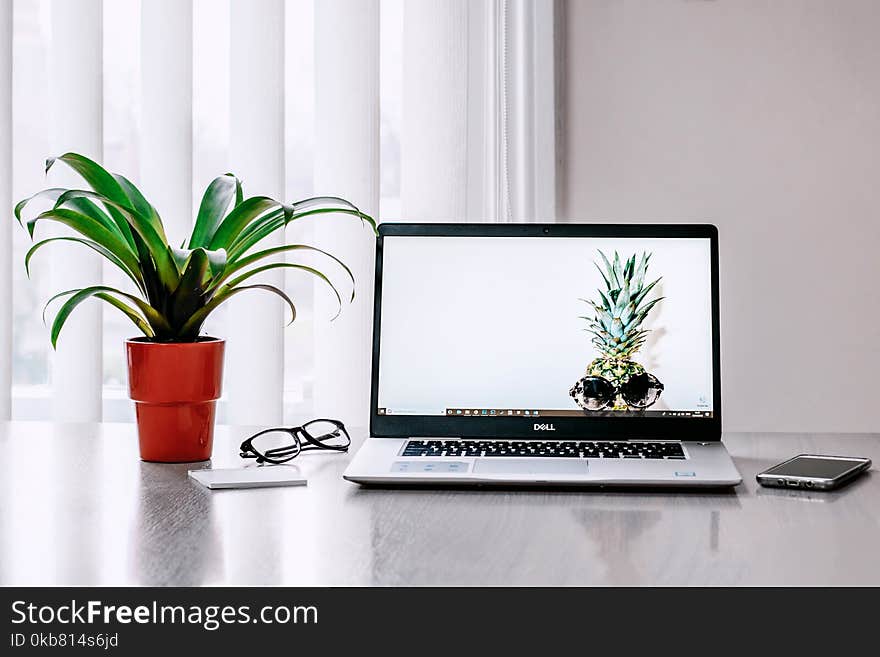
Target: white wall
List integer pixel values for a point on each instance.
(763, 118)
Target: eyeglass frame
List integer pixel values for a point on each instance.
(247, 450)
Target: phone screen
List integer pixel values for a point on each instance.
(813, 466)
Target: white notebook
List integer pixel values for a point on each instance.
(253, 477)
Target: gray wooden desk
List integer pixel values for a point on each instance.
(78, 507)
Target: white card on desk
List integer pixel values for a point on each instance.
(253, 477)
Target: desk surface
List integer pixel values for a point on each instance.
(77, 506)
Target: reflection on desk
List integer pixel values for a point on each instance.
(78, 507)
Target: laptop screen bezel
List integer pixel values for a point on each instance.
(668, 428)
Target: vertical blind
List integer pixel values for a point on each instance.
(477, 135)
(255, 339)
(76, 123)
(5, 202)
(346, 163)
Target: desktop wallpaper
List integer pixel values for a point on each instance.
(503, 324)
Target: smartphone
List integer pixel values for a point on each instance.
(814, 471)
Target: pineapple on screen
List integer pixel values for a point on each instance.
(616, 323)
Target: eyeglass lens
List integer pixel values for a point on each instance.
(641, 390)
(276, 446)
(328, 434)
(598, 392)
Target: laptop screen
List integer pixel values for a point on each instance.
(494, 327)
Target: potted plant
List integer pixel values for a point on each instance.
(175, 372)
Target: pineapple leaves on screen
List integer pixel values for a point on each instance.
(175, 289)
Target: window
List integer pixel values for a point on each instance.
(478, 85)
(211, 88)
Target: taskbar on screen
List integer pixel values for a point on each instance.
(522, 412)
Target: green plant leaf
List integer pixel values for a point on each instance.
(240, 216)
(239, 192)
(216, 259)
(147, 268)
(80, 295)
(191, 328)
(267, 253)
(285, 265)
(98, 178)
(190, 293)
(195, 270)
(153, 316)
(220, 194)
(92, 230)
(323, 201)
(81, 201)
(155, 242)
(267, 225)
(107, 253)
(181, 286)
(50, 194)
(140, 205)
(130, 312)
(155, 288)
(256, 231)
(272, 221)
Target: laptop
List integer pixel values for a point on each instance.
(545, 354)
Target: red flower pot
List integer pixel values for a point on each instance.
(175, 387)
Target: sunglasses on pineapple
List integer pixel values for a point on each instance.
(640, 391)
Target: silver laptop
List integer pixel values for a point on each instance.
(545, 354)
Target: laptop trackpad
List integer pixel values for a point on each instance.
(540, 466)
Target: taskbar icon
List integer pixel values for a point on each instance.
(492, 412)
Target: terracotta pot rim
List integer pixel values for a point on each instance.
(203, 340)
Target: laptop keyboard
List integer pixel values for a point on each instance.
(599, 449)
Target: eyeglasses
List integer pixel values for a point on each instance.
(593, 393)
(275, 446)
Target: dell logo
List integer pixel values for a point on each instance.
(544, 427)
